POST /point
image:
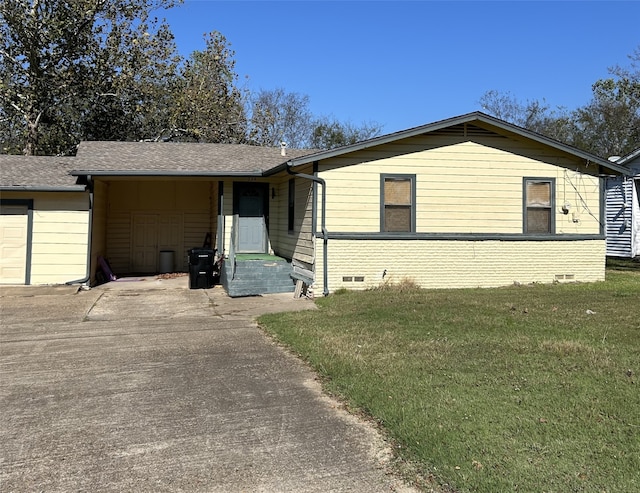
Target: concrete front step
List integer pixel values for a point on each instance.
(255, 277)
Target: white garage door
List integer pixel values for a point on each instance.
(13, 244)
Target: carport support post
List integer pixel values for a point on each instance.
(221, 223)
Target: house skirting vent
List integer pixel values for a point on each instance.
(565, 277)
(352, 278)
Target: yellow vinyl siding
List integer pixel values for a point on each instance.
(159, 195)
(461, 187)
(196, 226)
(58, 201)
(296, 244)
(279, 235)
(460, 264)
(48, 248)
(182, 211)
(278, 210)
(289, 245)
(57, 222)
(119, 241)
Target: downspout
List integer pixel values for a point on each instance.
(325, 234)
(87, 277)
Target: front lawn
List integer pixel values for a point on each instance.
(527, 388)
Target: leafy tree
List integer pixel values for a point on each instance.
(533, 115)
(278, 116)
(330, 133)
(208, 106)
(10, 134)
(65, 64)
(107, 70)
(632, 74)
(608, 125)
(507, 107)
(134, 101)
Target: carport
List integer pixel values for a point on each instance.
(136, 219)
(153, 198)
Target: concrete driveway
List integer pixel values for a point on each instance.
(150, 386)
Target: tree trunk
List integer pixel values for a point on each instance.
(33, 128)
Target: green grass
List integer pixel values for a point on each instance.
(490, 390)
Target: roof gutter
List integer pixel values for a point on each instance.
(37, 188)
(87, 277)
(160, 174)
(325, 233)
(623, 161)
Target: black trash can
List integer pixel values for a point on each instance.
(201, 268)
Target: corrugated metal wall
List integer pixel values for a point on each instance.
(635, 229)
(619, 216)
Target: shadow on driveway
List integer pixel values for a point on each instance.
(150, 386)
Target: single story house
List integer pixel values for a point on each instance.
(623, 209)
(464, 202)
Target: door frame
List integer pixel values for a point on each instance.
(238, 186)
(28, 203)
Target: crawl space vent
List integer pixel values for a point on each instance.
(565, 277)
(352, 278)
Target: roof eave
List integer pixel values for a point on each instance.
(159, 174)
(38, 188)
(629, 157)
(587, 156)
(467, 118)
(277, 169)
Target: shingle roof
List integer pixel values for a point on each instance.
(175, 158)
(37, 173)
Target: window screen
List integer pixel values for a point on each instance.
(538, 206)
(398, 208)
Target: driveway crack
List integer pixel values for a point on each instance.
(86, 315)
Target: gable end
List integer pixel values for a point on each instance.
(465, 130)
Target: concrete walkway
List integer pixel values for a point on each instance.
(147, 385)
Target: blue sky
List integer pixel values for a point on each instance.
(403, 64)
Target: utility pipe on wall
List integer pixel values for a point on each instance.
(325, 233)
(87, 277)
